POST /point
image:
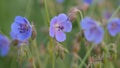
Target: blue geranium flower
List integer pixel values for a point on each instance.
(107, 14)
(58, 25)
(4, 45)
(92, 31)
(21, 29)
(114, 26)
(89, 2)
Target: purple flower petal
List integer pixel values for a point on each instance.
(13, 35)
(4, 45)
(21, 20)
(62, 17)
(60, 36)
(25, 20)
(88, 1)
(112, 32)
(53, 21)
(87, 23)
(24, 36)
(67, 26)
(88, 35)
(52, 31)
(114, 26)
(15, 27)
(99, 35)
(18, 19)
(95, 35)
(4, 50)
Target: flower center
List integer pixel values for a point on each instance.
(93, 29)
(23, 28)
(58, 27)
(114, 25)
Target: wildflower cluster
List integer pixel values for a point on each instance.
(91, 32)
(21, 30)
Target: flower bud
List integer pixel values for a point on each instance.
(34, 33)
(15, 42)
(60, 51)
(76, 47)
(72, 14)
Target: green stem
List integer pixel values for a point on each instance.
(46, 10)
(81, 15)
(28, 8)
(116, 11)
(81, 61)
(86, 56)
(53, 61)
(36, 51)
(51, 45)
(92, 8)
(52, 53)
(30, 55)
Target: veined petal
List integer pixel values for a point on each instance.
(24, 36)
(88, 1)
(60, 36)
(13, 35)
(62, 17)
(87, 23)
(52, 31)
(26, 21)
(19, 19)
(67, 26)
(4, 50)
(99, 34)
(53, 21)
(4, 45)
(14, 27)
(113, 32)
(88, 35)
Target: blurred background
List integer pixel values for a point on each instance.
(35, 12)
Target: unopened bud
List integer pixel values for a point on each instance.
(91, 59)
(76, 47)
(34, 33)
(97, 50)
(60, 51)
(72, 14)
(15, 42)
